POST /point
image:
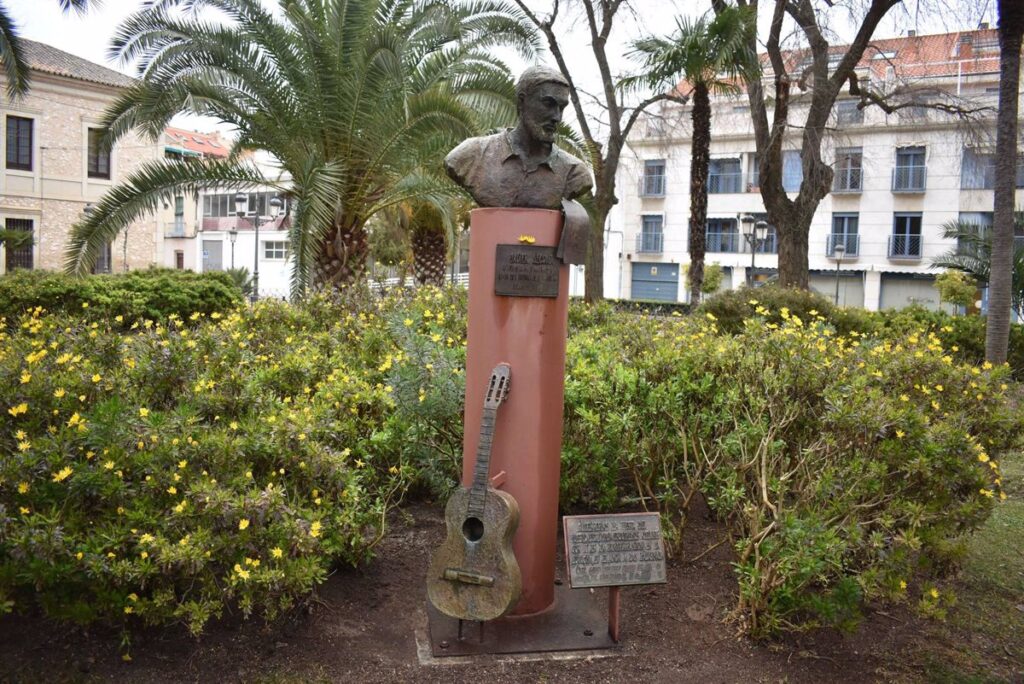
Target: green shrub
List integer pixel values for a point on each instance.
(165, 472)
(733, 308)
(154, 294)
(841, 464)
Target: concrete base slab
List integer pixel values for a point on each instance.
(577, 622)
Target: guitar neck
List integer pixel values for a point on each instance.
(481, 471)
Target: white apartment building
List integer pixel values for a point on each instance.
(898, 178)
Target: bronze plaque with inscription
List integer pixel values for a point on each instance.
(526, 271)
(614, 550)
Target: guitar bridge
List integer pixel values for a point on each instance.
(467, 577)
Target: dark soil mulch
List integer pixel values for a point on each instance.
(363, 624)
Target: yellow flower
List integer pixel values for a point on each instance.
(18, 410)
(144, 555)
(393, 470)
(314, 529)
(983, 457)
(359, 463)
(143, 412)
(903, 584)
(59, 393)
(904, 397)
(934, 592)
(276, 552)
(24, 446)
(25, 377)
(243, 523)
(23, 487)
(172, 490)
(408, 322)
(97, 377)
(129, 610)
(62, 474)
(986, 492)
(79, 555)
(900, 434)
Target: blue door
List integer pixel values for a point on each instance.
(656, 282)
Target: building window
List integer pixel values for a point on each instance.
(844, 232)
(849, 170)
(905, 242)
(99, 155)
(722, 235)
(792, 171)
(724, 175)
(654, 178)
(19, 143)
(909, 174)
(223, 205)
(651, 238)
(977, 170)
(179, 259)
(277, 250)
(19, 255)
(848, 113)
(977, 224)
(104, 260)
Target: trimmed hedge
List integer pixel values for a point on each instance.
(154, 294)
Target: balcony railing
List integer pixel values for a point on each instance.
(723, 242)
(652, 186)
(768, 245)
(909, 178)
(719, 183)
(850, 242)
(650, 243)
(848, 180)
(907, 247)
(177, 229)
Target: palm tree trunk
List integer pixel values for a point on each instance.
(342, 260)
(997, 331)
(699, 161)
(429, 256)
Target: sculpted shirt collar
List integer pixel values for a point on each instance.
(551, 161)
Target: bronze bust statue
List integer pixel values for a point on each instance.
(521, 167)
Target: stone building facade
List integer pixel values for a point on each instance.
(54, 165)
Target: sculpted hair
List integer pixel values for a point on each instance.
(537, 75)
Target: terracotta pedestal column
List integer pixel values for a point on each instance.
(528, 333)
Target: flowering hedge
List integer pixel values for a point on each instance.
(841, 463)
(163, 470)
(166, 471)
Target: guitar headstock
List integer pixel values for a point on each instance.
(497, 387)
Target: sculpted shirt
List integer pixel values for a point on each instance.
(495, 175)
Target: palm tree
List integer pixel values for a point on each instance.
(12, 56)
(712, 57)
(1011, 35)
(358, 100)
(973, 256)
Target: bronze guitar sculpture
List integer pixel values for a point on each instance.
(474, 575)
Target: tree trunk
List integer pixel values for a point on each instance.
(342, 260)
(699, 162)
(793, 232)
(593, 277)
(997, 331)
(429, 256)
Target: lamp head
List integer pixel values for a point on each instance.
(275, 207)
(761, 226)
(839, 250)
(241, 201)
(232, 235)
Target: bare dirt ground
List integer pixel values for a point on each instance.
(362, 628)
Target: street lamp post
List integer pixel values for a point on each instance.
(241, 200)
(232, 236)
(747, 227)
(839, 250)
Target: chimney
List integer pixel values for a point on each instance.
(911, 33)
(983, 26)
(965, 49)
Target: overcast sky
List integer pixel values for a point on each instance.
(89, 36)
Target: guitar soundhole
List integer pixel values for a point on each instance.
(473, 529)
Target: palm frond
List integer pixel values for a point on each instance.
(139, 196)
(12, 57)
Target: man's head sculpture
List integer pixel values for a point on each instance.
(542, 94)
